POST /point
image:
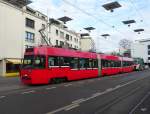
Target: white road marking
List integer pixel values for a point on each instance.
(142, 100)
(1, 97)
(96, 94)
(27, 92)
(50, 88)
(67, 85)
(143, 109)
(118, 86)
(74, 105)
(110, 89)
(78, 101)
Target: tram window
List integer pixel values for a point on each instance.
(53, 61)
(82, 63)
(90, 63)
(86, 63)
(67, 61)
(39, 62)
(95, 63)
(103, 63)
(108, 64)
(118, 64)
(124, 63)
(61, 61)
(111, 63)
(115, 63)
(74, 63)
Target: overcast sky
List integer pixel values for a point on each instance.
(87, 13)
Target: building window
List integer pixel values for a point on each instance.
(149, 52)
(148, 46)
(71, 38)
(61, 43)
(30, 23)
(148, 58)
(77, 40)
(61, 34)
(30, 36)
(67, 37)
(43, 26)
(56, 42)
(57, 32)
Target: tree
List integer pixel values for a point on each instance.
(125, 44)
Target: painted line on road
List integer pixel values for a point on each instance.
(142, 100)
(67, 85)
(1, 97)
(118, 86)
(110, 89)
(117, 100)
(78, 101)
(49, 88)
(93, 96)
(27, 92)
(72, 107)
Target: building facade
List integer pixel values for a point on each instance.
(19, 29)
(87, 44)
(62, 37)
(141, 48)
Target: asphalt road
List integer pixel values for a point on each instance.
(119, 94)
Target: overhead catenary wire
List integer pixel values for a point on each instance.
(138, 12)
(93, 16)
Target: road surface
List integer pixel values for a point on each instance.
(119, 94)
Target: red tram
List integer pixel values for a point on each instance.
(43, 65)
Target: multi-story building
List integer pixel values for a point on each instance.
(87, 44)
(19, 29)
(141, 48)
(61, 36)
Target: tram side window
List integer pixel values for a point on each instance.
(104, 63)
(82, 63)
(67, 61)
(112, 64)
(39, 62)
(53, 61)
(124, 63)
(95, 63)
(64, 61)
(90, 63)
(74, 63)
(118, 64)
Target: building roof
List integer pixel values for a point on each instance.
(19, 3)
